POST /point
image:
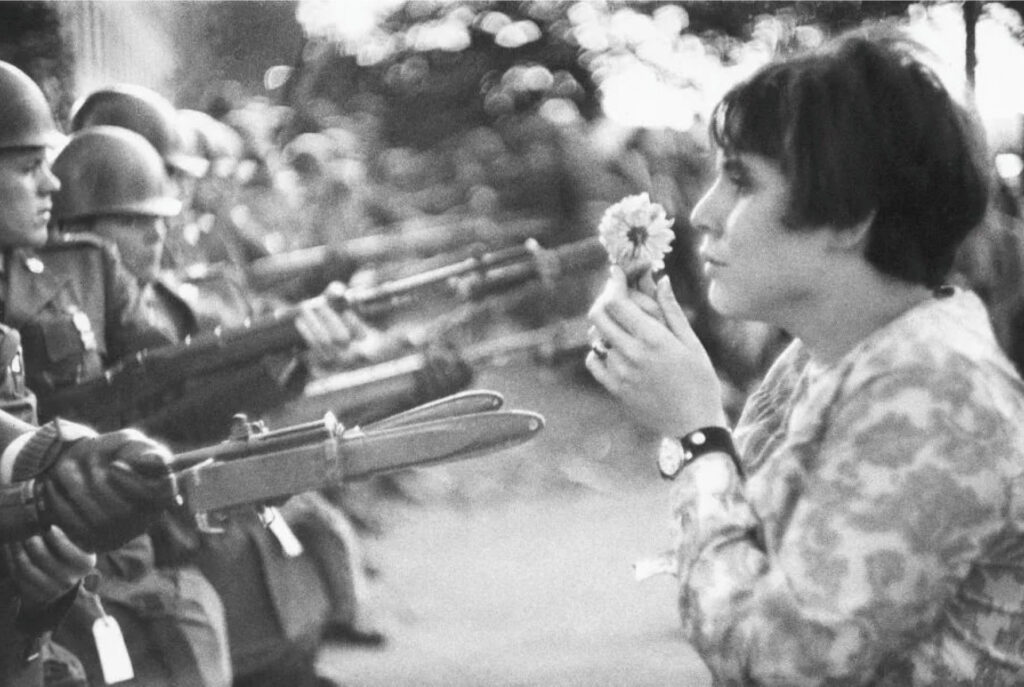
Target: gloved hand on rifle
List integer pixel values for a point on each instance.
(100, 489)
(46, 570)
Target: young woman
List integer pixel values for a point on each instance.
(864, 520)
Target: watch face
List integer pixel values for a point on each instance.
(670, 458)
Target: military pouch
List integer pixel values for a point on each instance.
(15, 397)
(63, 350)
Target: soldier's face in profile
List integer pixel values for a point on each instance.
(27, 186)
(139, 240)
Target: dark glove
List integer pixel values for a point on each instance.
(103, 490)
(444, 373)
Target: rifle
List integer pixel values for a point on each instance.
(143, 383)
(255, 465)
(317, 266)
(368, 392)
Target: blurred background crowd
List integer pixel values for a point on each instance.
(327, 122)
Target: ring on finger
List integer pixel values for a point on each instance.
(600, 349)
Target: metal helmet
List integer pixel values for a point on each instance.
(109, 170)
(26, 120)
(213, 140)
(144, 111)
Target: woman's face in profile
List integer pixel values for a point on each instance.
(755, 265)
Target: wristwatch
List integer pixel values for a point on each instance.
(676, 454)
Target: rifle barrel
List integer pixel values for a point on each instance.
(245, 442)
(547, 264)
(122, 395)
(561, 336)
(266, 273)
(367, 300)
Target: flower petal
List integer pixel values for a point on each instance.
(636, 233)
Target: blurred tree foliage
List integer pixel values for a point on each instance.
(436, 68)
(225, 48)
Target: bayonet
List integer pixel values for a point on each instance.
(462, 403)
(257, 465)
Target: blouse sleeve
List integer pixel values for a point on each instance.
(878, 519)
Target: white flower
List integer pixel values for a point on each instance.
(637, 234)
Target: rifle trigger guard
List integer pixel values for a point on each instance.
(203, 524)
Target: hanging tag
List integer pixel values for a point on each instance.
(113, 653)
(272, 520)
(115, 662)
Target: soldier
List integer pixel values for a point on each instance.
(277, 597)
(40, 575)
(148, 113)
(77, 311)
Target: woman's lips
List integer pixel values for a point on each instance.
(712, 265)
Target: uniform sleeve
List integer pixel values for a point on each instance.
(129, 329)
(883, 517)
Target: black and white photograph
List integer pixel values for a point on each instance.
(511, 343)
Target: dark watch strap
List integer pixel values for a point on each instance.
(676, 455)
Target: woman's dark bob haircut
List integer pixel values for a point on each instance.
(861, 127)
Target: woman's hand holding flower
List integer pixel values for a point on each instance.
(655, 365)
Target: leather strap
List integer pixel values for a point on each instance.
(677, 454)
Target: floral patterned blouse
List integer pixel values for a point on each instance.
(878, 537)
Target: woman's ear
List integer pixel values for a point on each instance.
(853, 237)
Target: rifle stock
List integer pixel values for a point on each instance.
(140, 384)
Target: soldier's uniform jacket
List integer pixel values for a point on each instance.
(214, 296)
(77, 309)
(26, 651)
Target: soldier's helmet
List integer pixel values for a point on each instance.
(212, 140)
(145, 112)
(109, 170)
(26, 120)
